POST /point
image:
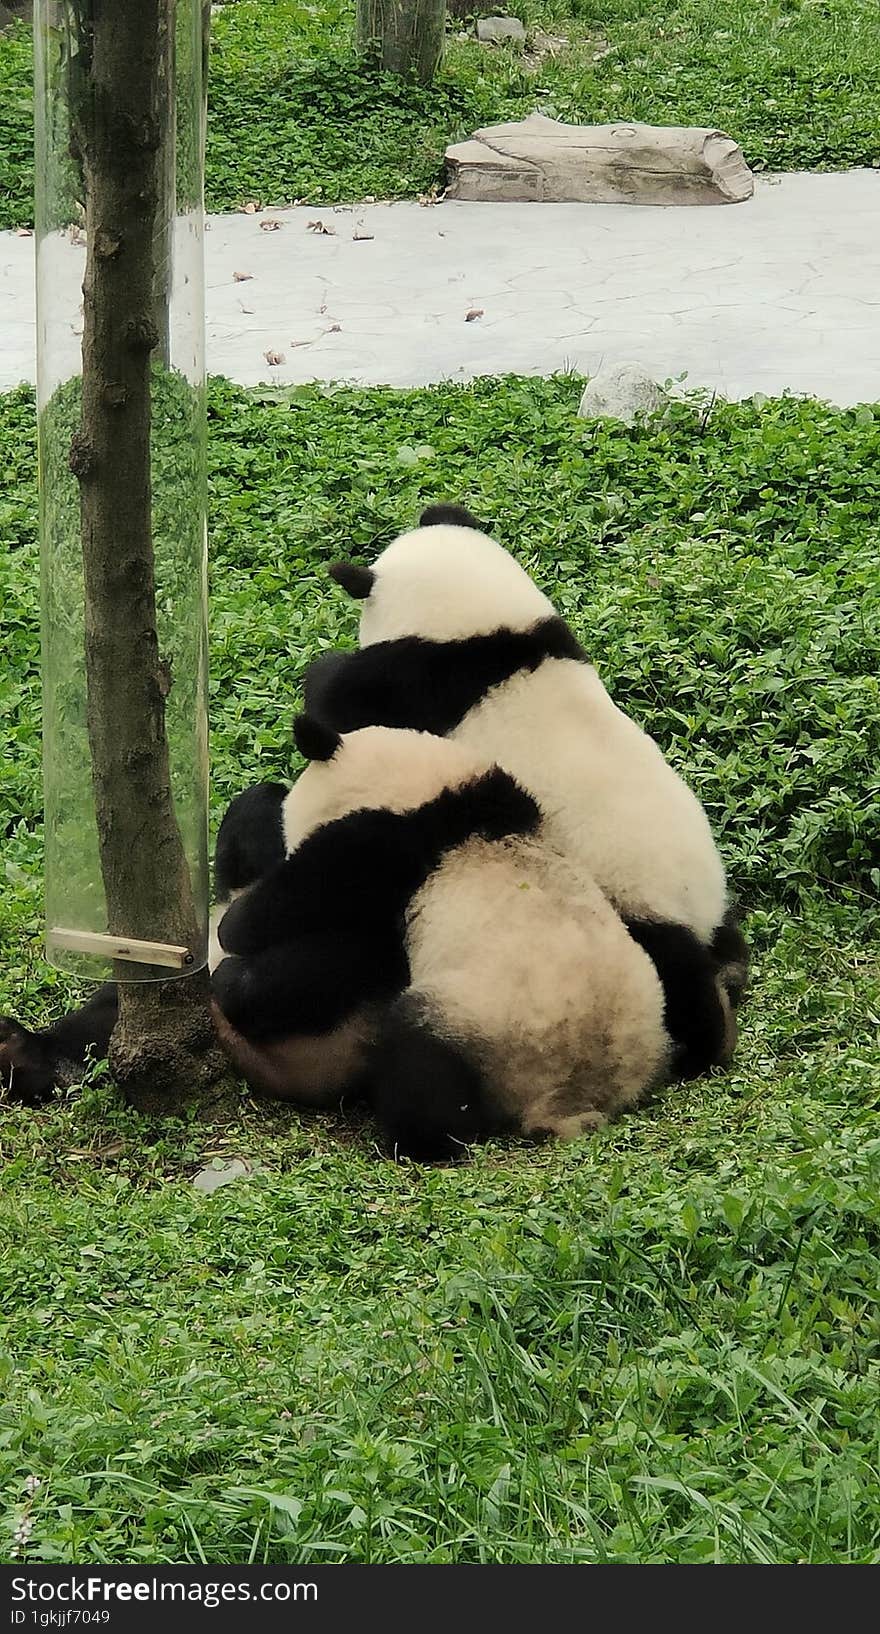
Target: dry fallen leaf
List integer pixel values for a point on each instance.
(359, 235)
(113, 1148)
(270, 225)
(251, 208)
(335, 329)
(274, 358)
(241, 277)
(28, 232)
(248, 309)
(475, 312)
(319, 227)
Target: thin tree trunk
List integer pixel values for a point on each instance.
(405, 35)
(163, 1049)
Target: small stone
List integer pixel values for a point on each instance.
(493, 30)
(621, 391)
(220, 1174)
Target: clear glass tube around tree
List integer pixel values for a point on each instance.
(120, 115)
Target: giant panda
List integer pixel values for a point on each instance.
(455, 639)
(523, 1004)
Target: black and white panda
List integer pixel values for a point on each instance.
(523, 1004)
(455, 639)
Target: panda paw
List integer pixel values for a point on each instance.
(229, 986)
(27, 1064)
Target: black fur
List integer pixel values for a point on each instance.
(428, 685)
(693, 1013)
(315, 740)
(453, 516)
(311, 985)
(730, 951)
(428, 1097)
(251, 838)
(358, 873)
(357, 581)
(33, 1064)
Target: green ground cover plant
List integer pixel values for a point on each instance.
(658, 1345)
(294, 114)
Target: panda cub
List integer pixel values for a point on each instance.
(456, 639)
(522, 1002)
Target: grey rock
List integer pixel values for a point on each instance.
(214, 1176)
(546, 161)
(494, 30)
(621, 391)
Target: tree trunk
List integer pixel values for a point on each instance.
(163, 1051)
(406, 36)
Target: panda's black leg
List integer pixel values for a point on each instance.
(695, 1015)
(32, 1064)
(309, 986)
(429, 1099)
(730, 950)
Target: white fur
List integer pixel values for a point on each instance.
(215, 952)
(445, 582)
(532, 969)
(398, 771)
(613, 804)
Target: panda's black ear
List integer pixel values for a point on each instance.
(315, 740)
(358, 581)
(452, 516)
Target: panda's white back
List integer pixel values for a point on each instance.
(531, 970)
(612, 803)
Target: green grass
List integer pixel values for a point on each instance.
(295, 115)
(658, 1345)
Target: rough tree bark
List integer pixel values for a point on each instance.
(405, 35)
(163, 1051)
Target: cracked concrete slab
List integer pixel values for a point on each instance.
(781, 293)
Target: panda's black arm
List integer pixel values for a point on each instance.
(310, 986)
(351, 875)
(428, 686)
(348, 690)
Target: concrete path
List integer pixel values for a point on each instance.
(780, 292)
